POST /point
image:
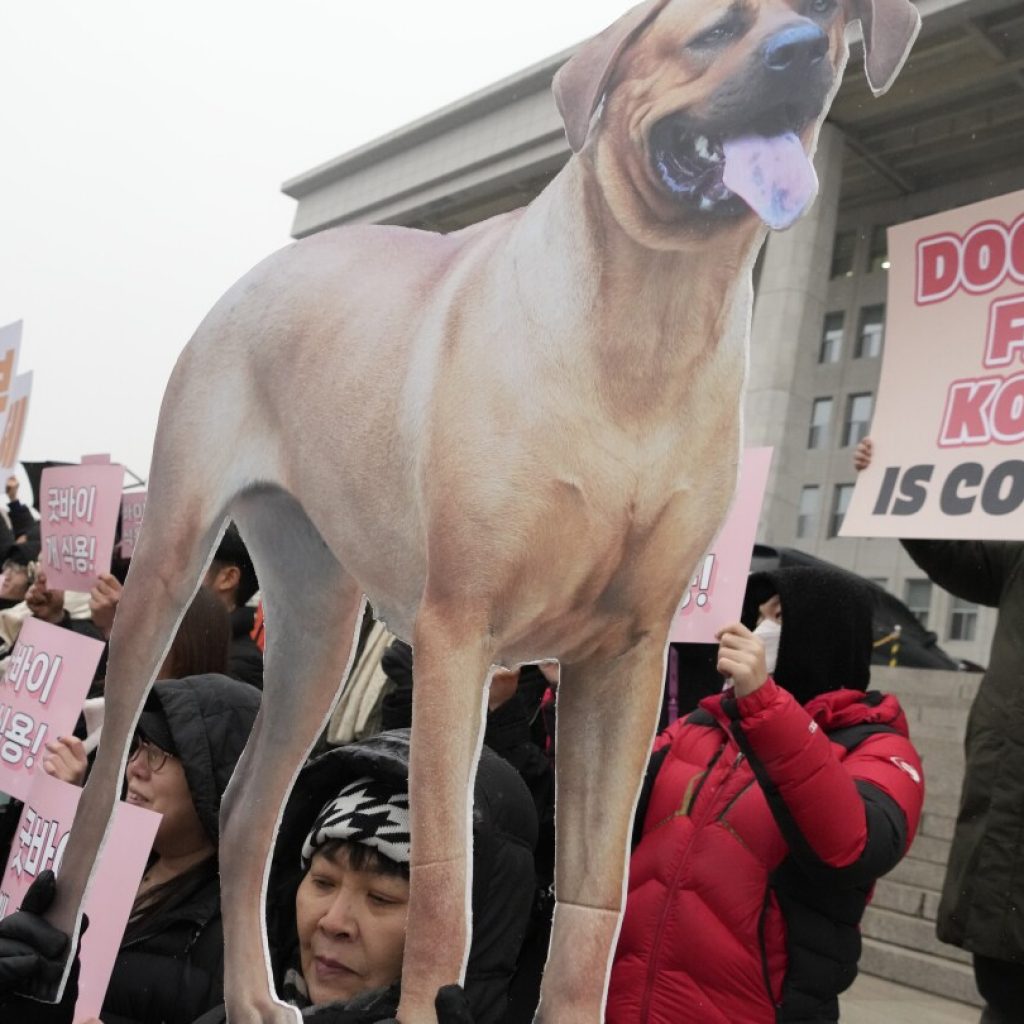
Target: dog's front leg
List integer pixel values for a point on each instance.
(607, 714)
(452, 656)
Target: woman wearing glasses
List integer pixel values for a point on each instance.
(171, 964)
(170, 967)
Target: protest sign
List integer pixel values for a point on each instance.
(133, 506)
(14, 393)
(949, 418)
(715, 595)
(39, 844)
(15, 416)
(41, 693)
(10, 347)
(79, 508)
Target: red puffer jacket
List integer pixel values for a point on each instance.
(765, 827)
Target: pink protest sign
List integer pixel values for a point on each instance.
(41, 693)
(949, 421)
(79, 518)
(39, 844)
(133, 505)
(715, 595)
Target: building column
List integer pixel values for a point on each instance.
(788, 313)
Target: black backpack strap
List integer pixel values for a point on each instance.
(854, 735)
(698, 717)
(701, 717)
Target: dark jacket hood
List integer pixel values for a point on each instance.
(826, 628)
(504, 835)
(210, 718)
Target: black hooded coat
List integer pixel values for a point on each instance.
(170, 969)
(504, 834)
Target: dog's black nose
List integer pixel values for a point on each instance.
(795, 48)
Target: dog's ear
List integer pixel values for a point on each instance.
(889, 28)
(581, 81)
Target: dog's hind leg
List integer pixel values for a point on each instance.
(312, 607)
(452, 656)
(607, 714)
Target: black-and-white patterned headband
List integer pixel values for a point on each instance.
(365, 811)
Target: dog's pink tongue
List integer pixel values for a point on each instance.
(773, 176)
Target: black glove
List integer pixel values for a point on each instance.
(31, 948)
(452, 1006)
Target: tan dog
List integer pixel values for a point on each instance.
(350, 403)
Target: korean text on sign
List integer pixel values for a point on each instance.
(38, 844)
(41, 694)
(80, 509)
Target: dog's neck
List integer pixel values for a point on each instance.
(649, 314)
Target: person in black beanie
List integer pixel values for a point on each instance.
(765, 819)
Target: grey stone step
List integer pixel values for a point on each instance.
(919, 684)
(930, 722)
(909, 932)
(940, 826)
(942, 777)
(955, 699)
(946, 805)
(920, 970)
(935, 851)
(919, 873)
(907, 899)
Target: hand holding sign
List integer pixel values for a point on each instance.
(27, 940)
(66, 760)
(863, 453)
(741, 658)
(103, 601)
(44, 603)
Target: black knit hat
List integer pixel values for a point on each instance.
(826, 628)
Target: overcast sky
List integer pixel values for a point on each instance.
(142, 150)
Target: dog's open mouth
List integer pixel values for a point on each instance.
(725, 175)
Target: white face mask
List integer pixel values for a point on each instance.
(769, 631)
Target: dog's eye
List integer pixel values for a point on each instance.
(716, 35)
(822, 6)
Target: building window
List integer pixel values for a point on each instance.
(917, 596)
(870, 333)
(831, 349)
(858, 419)
(807, 516)
(821, 416)
(878, 250)
(963, 619)
(843, 250)
(840, 503)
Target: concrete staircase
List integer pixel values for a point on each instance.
(899, 926)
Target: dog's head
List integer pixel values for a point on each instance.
(708, 110)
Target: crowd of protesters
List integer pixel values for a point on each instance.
(766, 816)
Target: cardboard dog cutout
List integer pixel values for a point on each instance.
(349, 404)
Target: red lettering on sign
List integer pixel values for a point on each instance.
(1005, 331)
(965, 421)
(979, 261)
